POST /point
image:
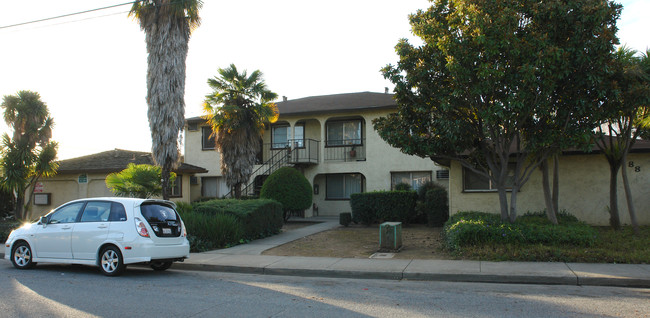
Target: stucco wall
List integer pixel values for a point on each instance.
(65, 187)
(584, 190)
(381, 158)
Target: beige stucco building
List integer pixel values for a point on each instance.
(85, 177)
(583, 183)
(331, 140)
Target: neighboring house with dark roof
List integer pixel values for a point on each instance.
(85, 177)
(331, 140)
(584, 181)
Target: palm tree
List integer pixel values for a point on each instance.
(237, 109)
(29, 154)
(167, 25)
(137, 181)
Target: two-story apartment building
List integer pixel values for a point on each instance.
(330, 139)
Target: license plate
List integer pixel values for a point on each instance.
(167, 231)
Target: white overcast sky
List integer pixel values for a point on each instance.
(90, 69)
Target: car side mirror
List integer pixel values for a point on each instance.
(43, 220)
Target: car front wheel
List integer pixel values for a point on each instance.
(21, 257)
(111, 263)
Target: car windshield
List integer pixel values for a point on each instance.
(158, 213)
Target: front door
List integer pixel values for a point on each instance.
(53, 240)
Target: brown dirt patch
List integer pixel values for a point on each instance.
(358, 241)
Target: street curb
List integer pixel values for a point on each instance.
(493, 278)
(575, 279)
(392, 275)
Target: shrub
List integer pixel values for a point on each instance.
(434, 210)
(475, 228)
(403, 187)
(435, 206)
(257, 218)
(345, 218)
(210, 231)
(379, 206)
(6, 227)
(182, 207)
(422, 189)
(289, 187)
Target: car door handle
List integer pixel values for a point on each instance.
(102, 226)
(67, 227)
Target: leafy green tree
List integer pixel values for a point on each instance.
(289, 187)
(137, 181)
(486, 88)
(237, 109)
(167, 25)
(629, 104)
(29, 154)
(7, 204)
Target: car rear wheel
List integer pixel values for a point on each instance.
(160, 266)
(111, 263)
(21, 257)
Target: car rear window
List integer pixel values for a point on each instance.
(158, 213)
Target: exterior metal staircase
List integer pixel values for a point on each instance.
(278, 160)
(304, 152)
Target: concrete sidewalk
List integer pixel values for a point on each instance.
(247, 258)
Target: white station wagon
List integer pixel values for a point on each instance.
(106, 232)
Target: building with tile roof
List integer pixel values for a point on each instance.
(85, 177)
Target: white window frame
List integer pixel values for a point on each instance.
(345, 141)
(411, 179)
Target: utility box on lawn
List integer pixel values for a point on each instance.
(390, 236)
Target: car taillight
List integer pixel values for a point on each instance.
(141, 228)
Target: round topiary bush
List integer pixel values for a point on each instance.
(289, 187)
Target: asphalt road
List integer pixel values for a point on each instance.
(80, 291)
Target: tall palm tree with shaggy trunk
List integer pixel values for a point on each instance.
(237, 109)
(167, 25)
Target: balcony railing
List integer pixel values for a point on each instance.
(345, 150)
(296, 150)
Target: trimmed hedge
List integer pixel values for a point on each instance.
(475, 228)
(257, 218)
(206, 232)
(380, 206)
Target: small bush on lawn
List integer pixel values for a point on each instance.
(476, 228)
(257, 218)
(289, 187)
(379, 206)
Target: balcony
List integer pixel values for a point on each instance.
(295, 151)
(345, 150)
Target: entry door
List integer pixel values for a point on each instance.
(53, 240)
